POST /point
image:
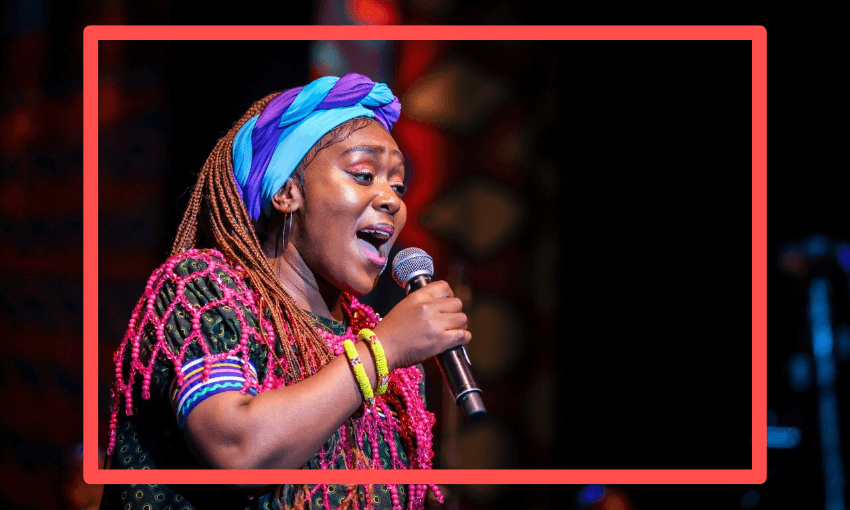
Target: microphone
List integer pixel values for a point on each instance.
(414, 269)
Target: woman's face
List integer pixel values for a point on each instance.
(352, 211)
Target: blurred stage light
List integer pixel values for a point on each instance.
(783, 437)
(844, 256)
(327, 56)
(820, 320)
(817, 245)
(373, 12)
(800, 372)
(819, 315)
(590, 494)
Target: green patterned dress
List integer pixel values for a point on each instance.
(152, 439)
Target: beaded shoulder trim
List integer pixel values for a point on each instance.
(153, 314)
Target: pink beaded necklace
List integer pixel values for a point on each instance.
(403, 387)
(399, 412)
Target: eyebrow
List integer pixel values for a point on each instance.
(372, 150)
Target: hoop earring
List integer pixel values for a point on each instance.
(285, 235)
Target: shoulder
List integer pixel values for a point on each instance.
(196, 263)
(197, 296)
(195, 271)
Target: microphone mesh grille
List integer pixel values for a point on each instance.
(411, 262)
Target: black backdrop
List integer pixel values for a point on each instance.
(652, 140)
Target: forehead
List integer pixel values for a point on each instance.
(372, 136)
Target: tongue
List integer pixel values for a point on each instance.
(369, 248)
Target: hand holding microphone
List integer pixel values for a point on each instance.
(433, 317)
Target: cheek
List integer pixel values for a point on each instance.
(331, 223)
(334, 213)
(401, 217)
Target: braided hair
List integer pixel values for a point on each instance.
(216, 217)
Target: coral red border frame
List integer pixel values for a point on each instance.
(756, 34)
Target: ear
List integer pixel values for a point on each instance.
(289, 198)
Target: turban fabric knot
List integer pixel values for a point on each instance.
(270, 145)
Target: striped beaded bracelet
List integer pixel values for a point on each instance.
(359, 372)
(380, 359)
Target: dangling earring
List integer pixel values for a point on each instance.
(285, 235)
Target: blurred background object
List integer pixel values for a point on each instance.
(587, 200)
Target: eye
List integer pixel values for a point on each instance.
(362, 176)
(399, 189)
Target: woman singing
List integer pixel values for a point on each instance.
(249, 349)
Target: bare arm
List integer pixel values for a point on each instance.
(281, 428)
(284, 428)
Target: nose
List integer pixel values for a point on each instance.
(387, 199)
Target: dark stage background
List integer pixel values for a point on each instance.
(589, 200)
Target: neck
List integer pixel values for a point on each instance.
(310, 292)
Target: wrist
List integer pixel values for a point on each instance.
(369, 337)
(389, 354)
(358, 361)
(368, 362)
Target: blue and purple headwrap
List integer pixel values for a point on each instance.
(270, 145)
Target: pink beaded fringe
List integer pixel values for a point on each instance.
(413, 424)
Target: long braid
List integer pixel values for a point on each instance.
(216, 217)
(215, 205)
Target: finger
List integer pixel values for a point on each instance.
(440, 289)
(459, 336)
(448, 304)
(455, 320)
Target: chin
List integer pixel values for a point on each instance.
(367, 288)
(360, 287)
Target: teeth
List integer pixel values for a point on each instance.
(377, 233)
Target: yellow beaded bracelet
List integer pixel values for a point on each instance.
(359, 372)
(380, 359)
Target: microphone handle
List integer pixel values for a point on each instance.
(454, 365)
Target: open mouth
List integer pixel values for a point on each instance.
(374, 243)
